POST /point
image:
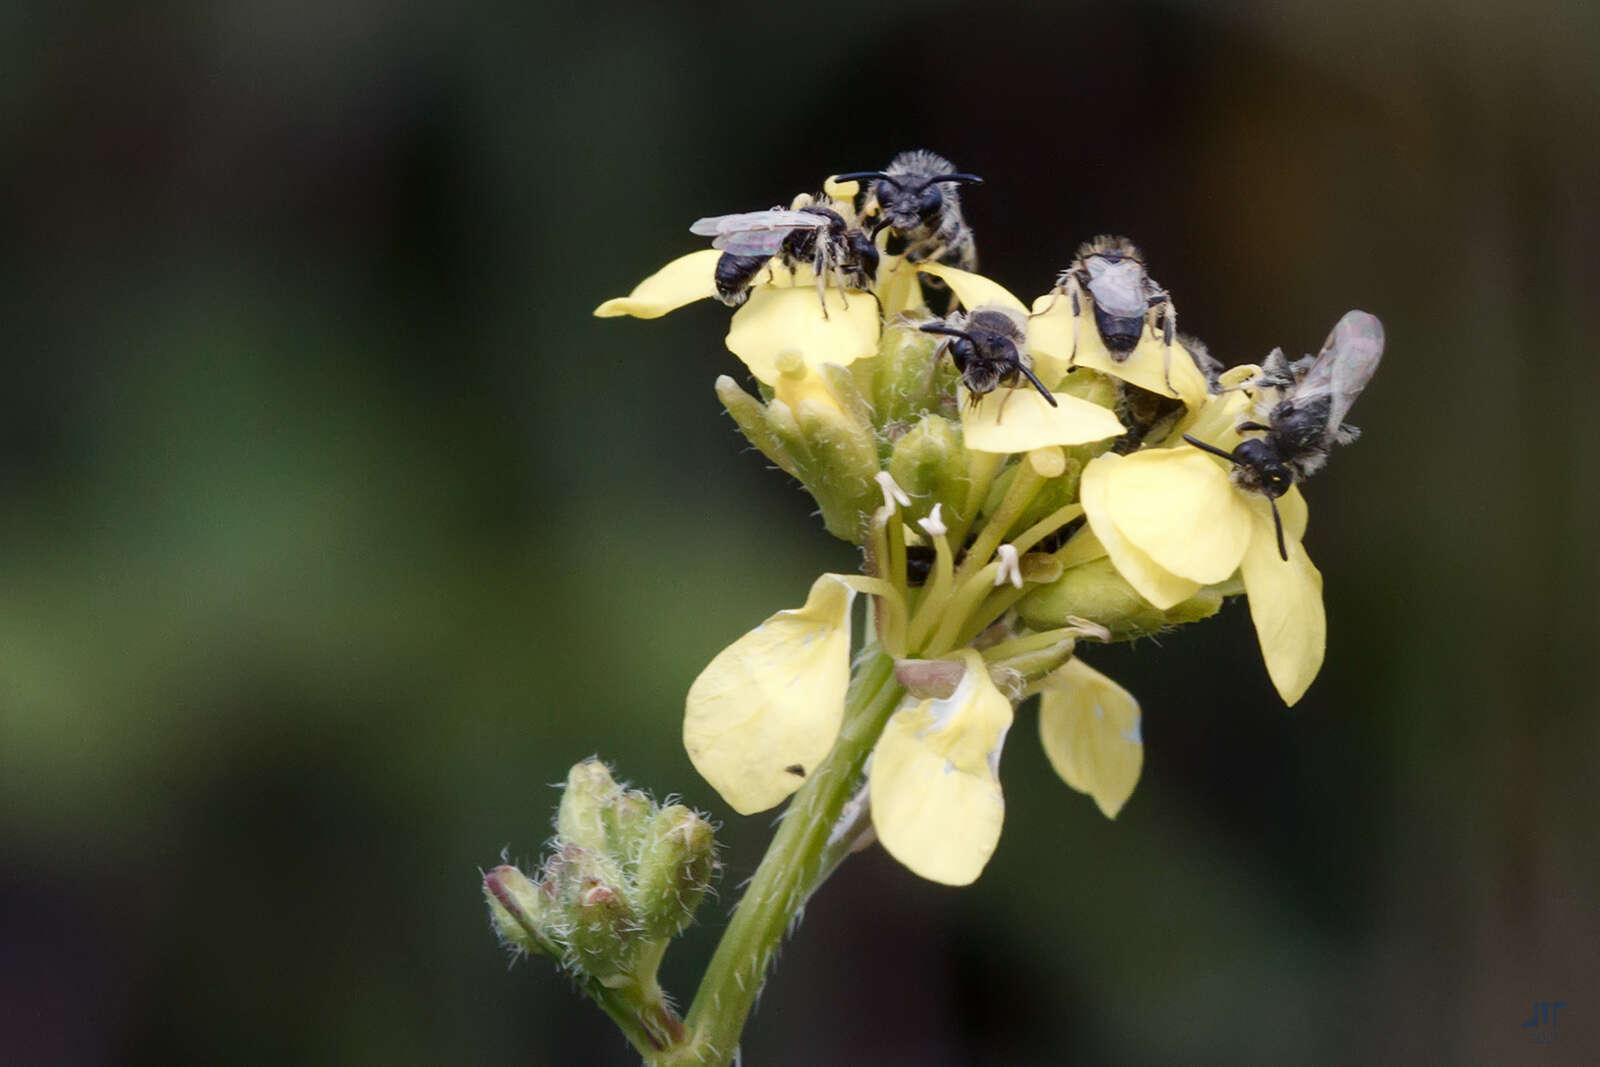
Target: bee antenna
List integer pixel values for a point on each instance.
(965, 179)
(947, 331)
(1277, 525)
(1215, 451)
(1037, 384)
(858, 175)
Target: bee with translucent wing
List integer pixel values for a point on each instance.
(815, 236)
(1315, 394)
(1110, 272)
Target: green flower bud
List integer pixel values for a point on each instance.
(597, 922)
(675, 871)
(1095, 591)
(581, 819)
(930, 463)
(519, 909)
(751, 416)
(844, 462)
(907, 382)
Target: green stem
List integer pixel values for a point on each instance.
(790, 872)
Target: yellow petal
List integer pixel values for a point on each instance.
(973, 290)
(1178, 507)
(683, 281)
(779, 320)
(766, 710)
(1152, 581)
(1285, 603)
(1019, 420)
(1050, 331)
(898, 289)
(1090, 729)
(935, 779)
(1060, 334)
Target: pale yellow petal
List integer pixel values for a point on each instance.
(973, 290)
(1178, 507)
(1050, 331)
(935, 781)
(1152, 581)
(1285, 604)
(778, 320)
(898, 289)
(1149, 365)
(766, 710)
(683, 281)
(1019, 420)
(1090, 729)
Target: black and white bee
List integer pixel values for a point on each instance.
(1314, 395)
(988, 347)
(1111, 273)
(813, 235)
(916, 199)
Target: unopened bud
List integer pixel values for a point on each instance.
(1096, 592)
(930, 463)
(907, 381)
(600, 925)
(590, 790)
(751, 417)
(675, 871)
(519, 909)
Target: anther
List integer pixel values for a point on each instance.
(1010, 566)
(933, 525)
(892, 493)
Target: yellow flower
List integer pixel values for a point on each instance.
(1090, 729)
(935, 779)
(1172, 522)
(766, 710)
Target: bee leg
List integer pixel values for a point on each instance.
(819, 274)
(1002, 412)
(1169, 330)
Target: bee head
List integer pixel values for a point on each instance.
(1261, 469)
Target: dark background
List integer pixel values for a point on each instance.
(333, 529)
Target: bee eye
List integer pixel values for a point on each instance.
(930, 203)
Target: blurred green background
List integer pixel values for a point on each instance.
(334, 529)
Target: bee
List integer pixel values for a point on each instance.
(1315, 394)
(813, 235)
(1123, 296)
(924, 221)
(987, 347)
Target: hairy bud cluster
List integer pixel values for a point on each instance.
(624, 876)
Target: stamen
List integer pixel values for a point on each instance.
(1009, 567)
(933, 525)
(892, 493)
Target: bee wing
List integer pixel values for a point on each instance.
(755, 233)
(1119, 288)
(1345, 365)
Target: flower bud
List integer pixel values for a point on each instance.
(675, 869)
(930, 463)
(908, 382)
(844, 460)
(519, 909)
(1095, 591)
(581, 819)
(591, 903)
(751, 417)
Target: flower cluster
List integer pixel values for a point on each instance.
(1001, 526)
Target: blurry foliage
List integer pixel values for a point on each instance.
(335, 529)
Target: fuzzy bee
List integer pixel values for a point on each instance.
(987, 347)
(915, 197)
(812, 235)
(1315, 394)
(1111, 272)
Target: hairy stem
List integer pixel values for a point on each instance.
(793, 868)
